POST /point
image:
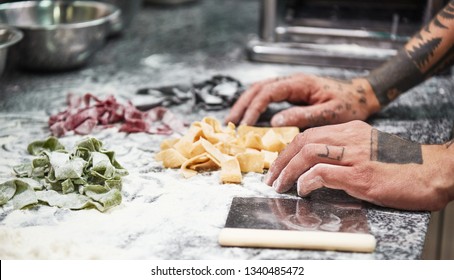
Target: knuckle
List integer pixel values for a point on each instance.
(299, 137)
(269, 88)
(318, 170)
(308, 132)
(257, 106)
(308, 152)
(300, 140)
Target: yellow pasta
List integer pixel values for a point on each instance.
(252, 140)
(272, 141)
(168, 143)
(251, 162)
(287, 133)
(269, 158)
(231, 149)
(209, 146)
(188, 169)
(215, 154)
(230, 171)
(196, 149)
(184, 144)
(171, 158)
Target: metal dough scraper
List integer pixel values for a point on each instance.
(297, 224)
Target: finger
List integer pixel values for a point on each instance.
(328, 175)
(309, 116)
(272, 92)
(285, 156)
(327, 135)
(236, 113)
(309, 156)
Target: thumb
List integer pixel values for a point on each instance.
(330, 176)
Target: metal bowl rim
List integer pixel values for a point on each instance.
(114, 13)
(17, 36)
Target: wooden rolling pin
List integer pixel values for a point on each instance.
(291, 239)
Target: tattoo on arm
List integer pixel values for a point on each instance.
(333, 152)
(393, 78)
(427, 53)
(389, 148)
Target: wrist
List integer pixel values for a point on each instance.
(449, 161)
(440, 161)
(363, 86)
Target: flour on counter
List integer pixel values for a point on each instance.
(162, 216)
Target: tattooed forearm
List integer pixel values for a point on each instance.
(389, 148)
(427, 53)
(393, 78)
(422, 54)
(446, 61)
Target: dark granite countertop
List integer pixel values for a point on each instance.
(166, 46)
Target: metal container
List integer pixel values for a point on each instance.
(8, 37)
(169, 2)
(128, 8)
(337, 33)
(59, 35)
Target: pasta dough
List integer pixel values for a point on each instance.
(209, 146)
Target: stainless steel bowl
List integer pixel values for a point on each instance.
(59, 35)
(128, 8)
(8, 37)
(169, 2)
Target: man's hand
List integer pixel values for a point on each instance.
(326, 101)
(368, 164)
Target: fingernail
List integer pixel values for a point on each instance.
(314, 183)
(301, 183)
(275, 185)
(278, 120)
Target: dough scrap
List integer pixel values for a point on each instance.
(171, 158)
(230, 171)
(209, 146)
(251, 161)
